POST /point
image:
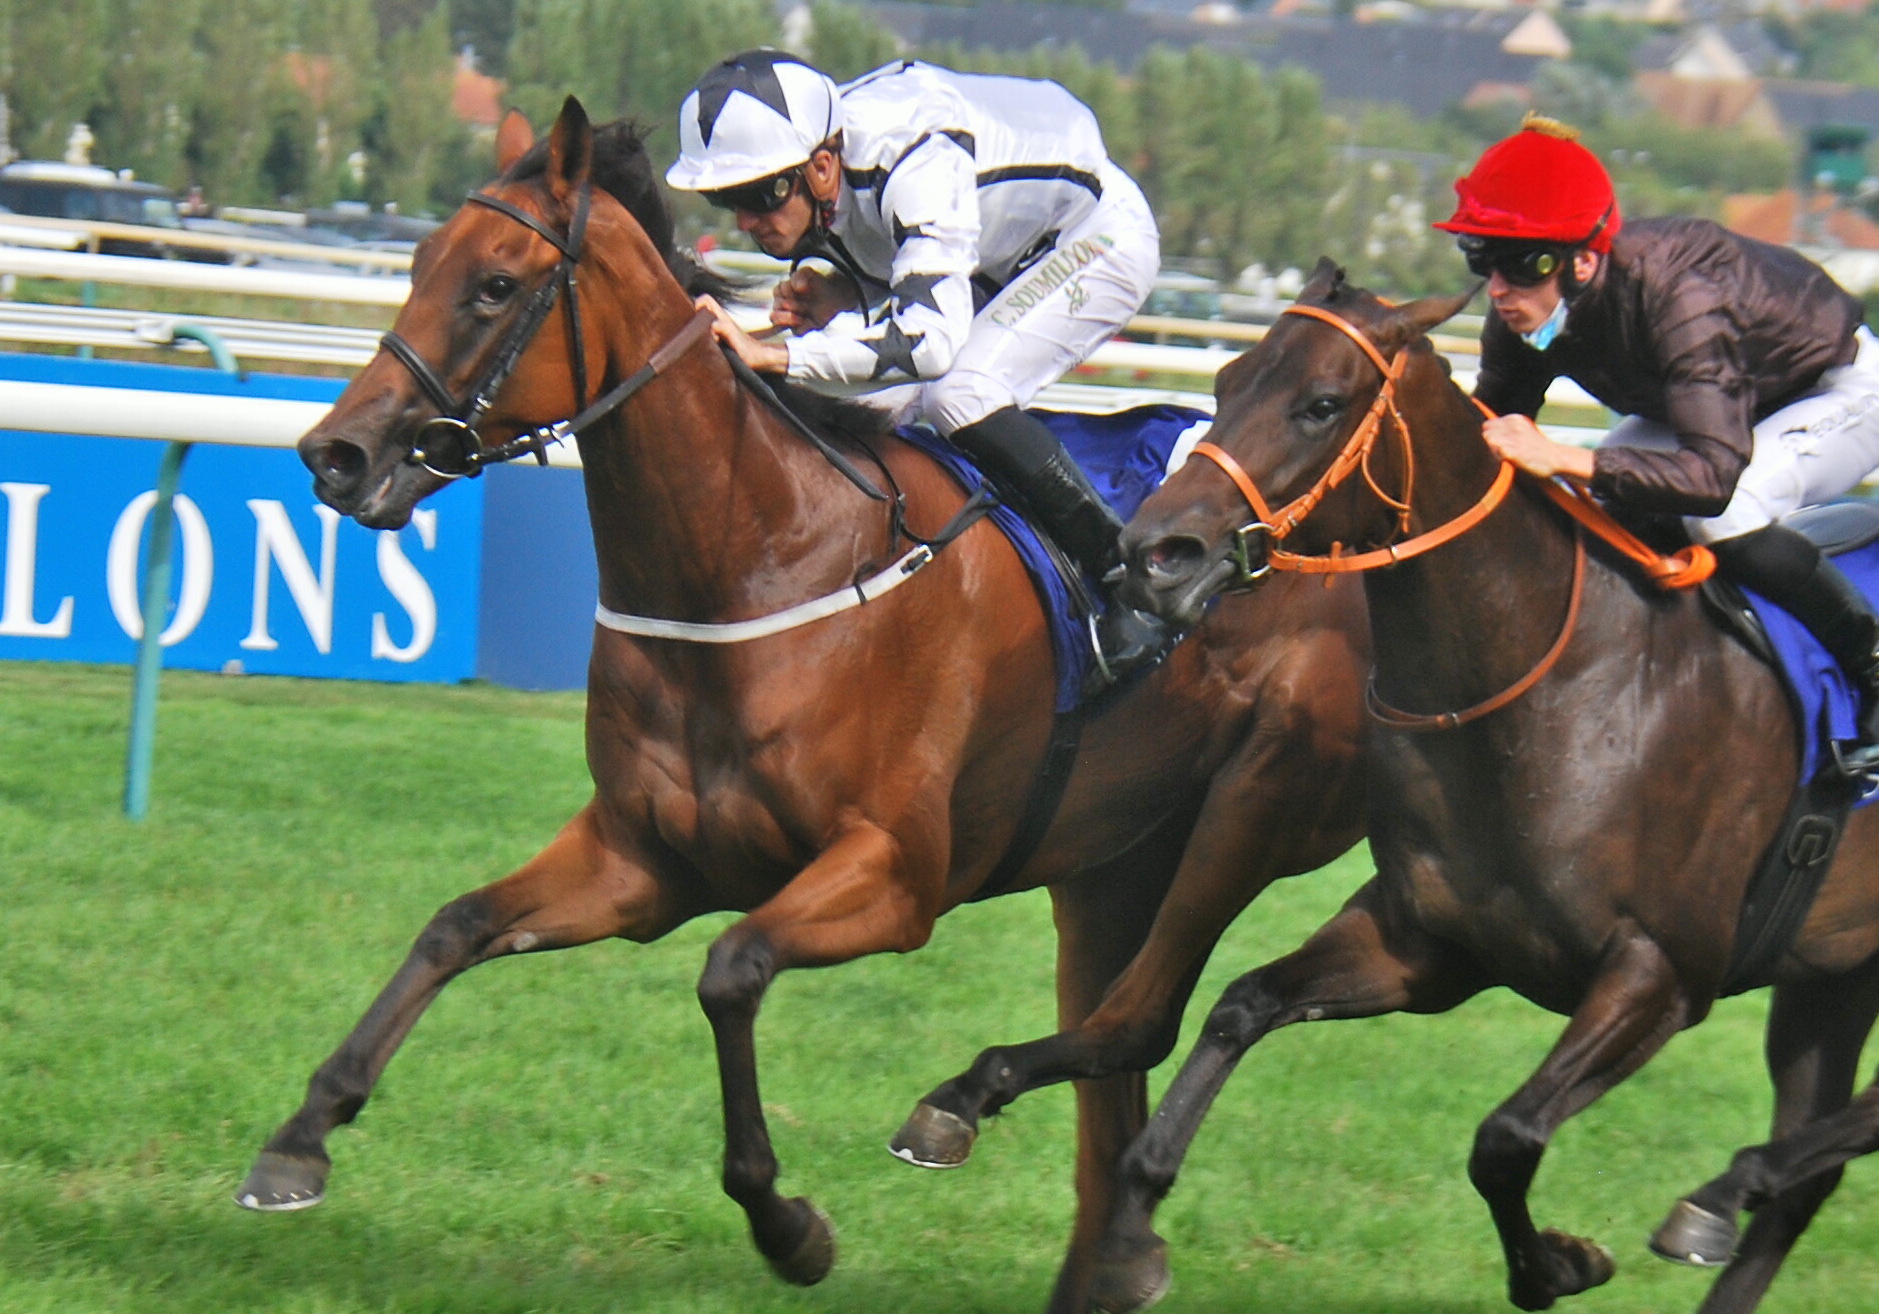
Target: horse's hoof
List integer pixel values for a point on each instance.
(933, 1138)
(1572, 1264)
(280, 1183)
(813, 1256)
(1692, 1235)
(1124, 1283)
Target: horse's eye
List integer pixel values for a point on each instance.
(1320, 409)
(495, 290)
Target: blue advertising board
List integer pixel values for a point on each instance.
(266, 579)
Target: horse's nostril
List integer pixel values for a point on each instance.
(338, 463)
(1174, 555)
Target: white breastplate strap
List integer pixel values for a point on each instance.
(760, 626)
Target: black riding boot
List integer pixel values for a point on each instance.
(1026, 458)
(1786, 568)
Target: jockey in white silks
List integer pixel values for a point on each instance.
(981, 237)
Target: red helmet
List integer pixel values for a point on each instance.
(1539, 185)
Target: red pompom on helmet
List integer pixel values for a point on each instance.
(1539, 185)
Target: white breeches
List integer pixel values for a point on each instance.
(1810, 451)
(1053, 315)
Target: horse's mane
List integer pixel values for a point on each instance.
(841, 418)
(622, 168)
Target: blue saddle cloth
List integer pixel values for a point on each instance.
(1824, 702)
(1126, 457)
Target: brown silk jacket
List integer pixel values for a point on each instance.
(1690, 325)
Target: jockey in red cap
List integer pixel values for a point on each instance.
(1747, 378)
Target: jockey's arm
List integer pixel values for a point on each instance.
(809, 298)
(930, 201)
(1708, 401)
(1512, 384)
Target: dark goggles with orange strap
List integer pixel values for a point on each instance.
(760, 197)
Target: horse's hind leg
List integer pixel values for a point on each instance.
(1350, 968)
(574, 892)
(1635, 1004)
(1815, 1032)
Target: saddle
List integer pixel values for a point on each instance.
(1825, 709)
(1126, 456)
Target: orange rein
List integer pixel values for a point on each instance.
(1683, 569)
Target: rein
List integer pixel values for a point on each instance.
(467, 454)
(1683, 569)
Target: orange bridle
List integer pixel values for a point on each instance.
(1275, 527)
(1682, 570)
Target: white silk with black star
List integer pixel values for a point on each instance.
(946, 176)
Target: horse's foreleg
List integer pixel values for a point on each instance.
(1634, 1006)
(1101, 922)
(851, 901)
(574, 892)
(1350, 968)
(1815, 1032)
(1103, 918)
(1285, 809)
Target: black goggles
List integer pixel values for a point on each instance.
(1520, 263)
(760, 197)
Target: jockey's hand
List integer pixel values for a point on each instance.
(764, 357)
(808, 299)
(1518, 439)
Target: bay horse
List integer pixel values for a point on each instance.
(842, 783)
(1580, 827)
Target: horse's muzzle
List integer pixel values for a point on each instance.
(376, 493)
(1173, 575)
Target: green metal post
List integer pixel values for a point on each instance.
(156, 599)
(155, 594)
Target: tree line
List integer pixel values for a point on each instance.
(311, 101)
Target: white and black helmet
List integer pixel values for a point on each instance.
(752, 116)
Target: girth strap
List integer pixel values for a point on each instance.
(1040, 804)
(1789, 876)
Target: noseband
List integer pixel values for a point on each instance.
(1271, 527)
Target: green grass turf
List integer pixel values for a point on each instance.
(549, 1139)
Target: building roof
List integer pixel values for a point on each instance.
(1424, 66)
(1415, 62)
(475, 98)
(1776, 218)
(1106, 36)
(1804, 105)
(1709, 50)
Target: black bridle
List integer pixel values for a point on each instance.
(448, 444)
(458, 450)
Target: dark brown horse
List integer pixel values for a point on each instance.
(1587, 844)
(843, 783)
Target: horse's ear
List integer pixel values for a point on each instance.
(513, 139)
(570, 145)
(1415, 318)
(1326, 278)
